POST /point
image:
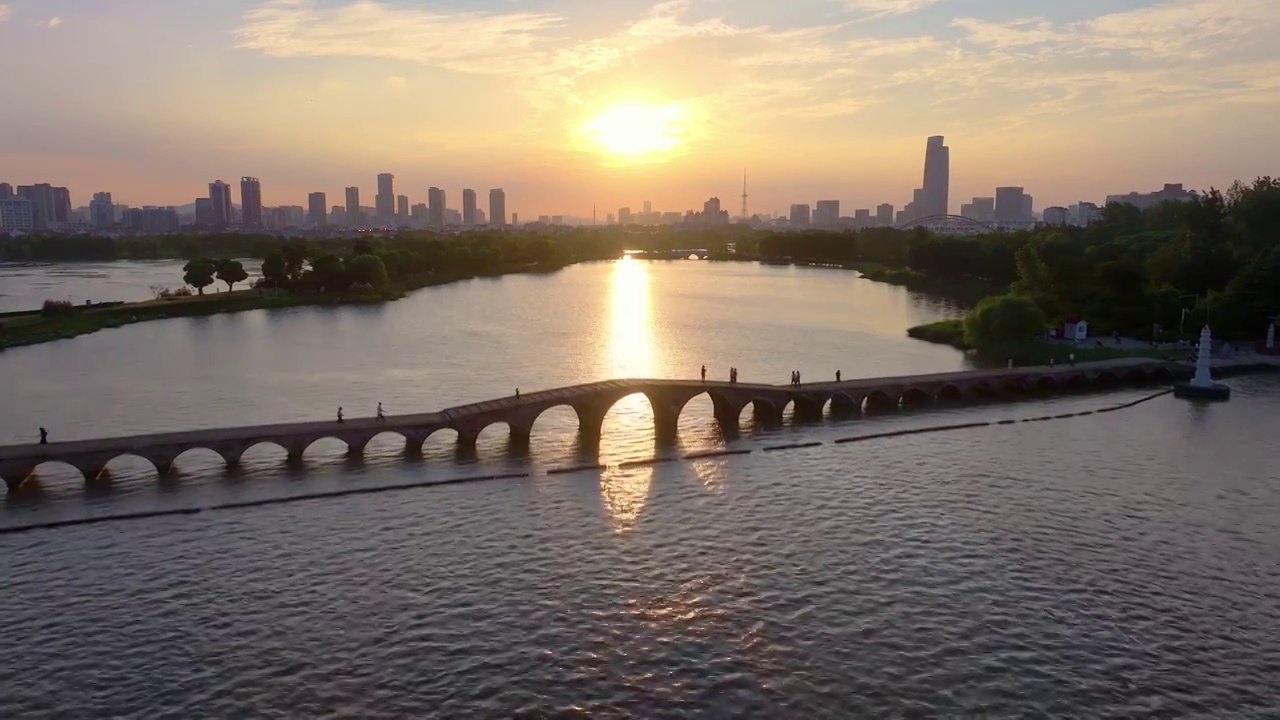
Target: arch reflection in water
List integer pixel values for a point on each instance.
(629, 354)
(624, 492)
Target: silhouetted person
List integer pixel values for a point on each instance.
(381, 416)
(704, 373)
(517, 392)
(339, 413)
(837, 376)
(44, 436)
(1071, 358)
(797, 378)
(1051, 362)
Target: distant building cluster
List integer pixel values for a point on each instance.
(47, 208)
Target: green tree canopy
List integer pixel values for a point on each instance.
(330, 273)
(1003, 321)
(231, 272)
(199, 273)
(273, 268)
(368, 270)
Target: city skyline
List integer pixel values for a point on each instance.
(566, 106)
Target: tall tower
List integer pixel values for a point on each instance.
(937, 178)
(251, 202)
(385, 202)
(220, 197)
(744, 195)
(497, 208)
(353, 207)
(468, 207)
(435, 207)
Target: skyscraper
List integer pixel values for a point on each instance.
(6, 191)
(468, 207)
(624, 216)
(102, 212)
(497, 207)
(220, 201)
(884, 215)
(386, 200)
(1008, 204)
(353, 207)
(826, 213)
(317, 214)
(435, 207)
(251, 201)
(800, 215)
(937, 178)
(402, 209)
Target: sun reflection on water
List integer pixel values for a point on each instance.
(628, 428)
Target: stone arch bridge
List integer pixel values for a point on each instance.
(591, 402)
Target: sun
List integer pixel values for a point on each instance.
(634, 131)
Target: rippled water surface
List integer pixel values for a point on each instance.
(1123, 564)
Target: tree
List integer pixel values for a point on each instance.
(330, 273)
(295, 256)
(231, 272)
(1002, 321)
(1034, 281)
(273, 268)
(368, 270)
(199, 273)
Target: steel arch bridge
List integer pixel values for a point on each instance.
(949, 225)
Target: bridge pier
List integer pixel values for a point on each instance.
(16, 474)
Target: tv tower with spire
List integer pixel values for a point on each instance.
(744, 195)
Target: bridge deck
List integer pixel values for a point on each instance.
(565, 395)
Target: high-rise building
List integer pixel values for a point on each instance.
(624, 216)
(6, 191)
(884, 215)
(937, 178)
(1008, 204)
(435, 207)
(402, 209)
(17, 214)
(316, 204)
(418, 215)
(515, 219)
(862, 218)
(497, 207)
(648, 207)
(609, 219)
(826, 213)
(338, 216)
(353, 207)
(220, 202)
(557, 219)
(481, 219)
(1028, 208)
(41, 197)
(452, 217)
(386, 200)
(251, 202)
(61, 205)
(1083, 213)
(1055, 216)
(800, 215)
(204, 213)
(151, 220)
(982, 209)
(102, 212)
(468, 207)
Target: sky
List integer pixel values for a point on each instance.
(570, 103)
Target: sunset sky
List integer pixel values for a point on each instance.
(569, 102)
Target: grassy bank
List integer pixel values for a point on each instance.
(37, 328)
(1035, 352)
(968, 291)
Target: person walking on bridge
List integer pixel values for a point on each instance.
(704, 373)
(837, 376)
(339, 413)
(381, 416)
(44, 436)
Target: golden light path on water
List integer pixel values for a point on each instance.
(630, 355)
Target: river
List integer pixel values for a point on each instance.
(1111, 565)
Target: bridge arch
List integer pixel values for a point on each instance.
(845, 404)
(915, 396)
(133, 462)
(983, 389)
(58, 469)
(882, 400)
(946, 221)
(950, 393)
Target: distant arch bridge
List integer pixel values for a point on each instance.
(949, 225)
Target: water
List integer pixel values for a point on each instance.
(1112, 565)
(25, 286)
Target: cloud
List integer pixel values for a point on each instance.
(5, 10)
(881, 8)
(395, 84)
(465, 41)
(54, 22)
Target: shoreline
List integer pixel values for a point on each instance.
(26, 328)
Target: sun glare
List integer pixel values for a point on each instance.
(634, 131)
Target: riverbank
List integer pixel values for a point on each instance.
(1037, 352)
(33, 328)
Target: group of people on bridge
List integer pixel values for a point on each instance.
(382, 417)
